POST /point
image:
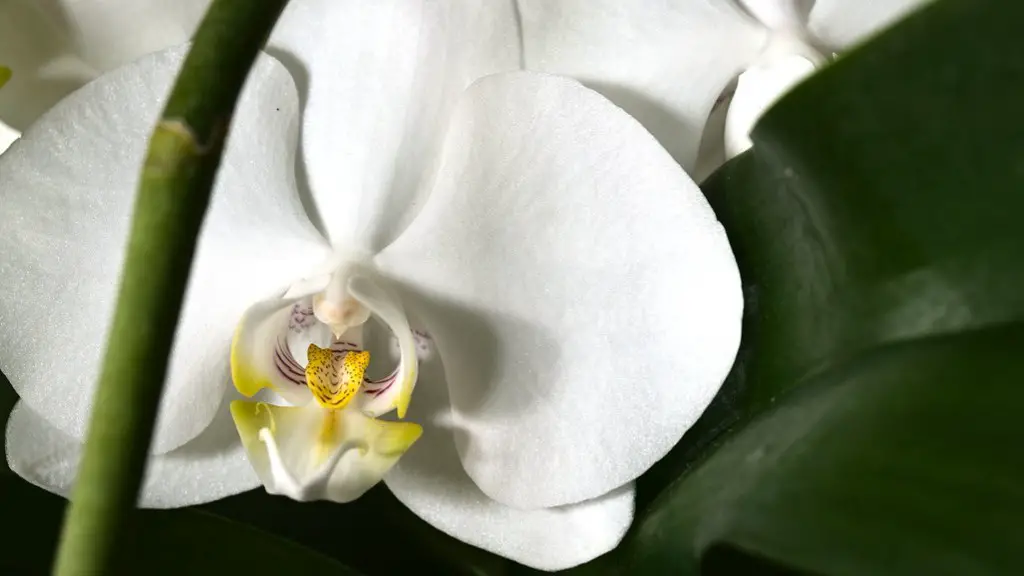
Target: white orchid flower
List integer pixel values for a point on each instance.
(53, 47)
(581, 300)
(668, 62)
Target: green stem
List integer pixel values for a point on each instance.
(177, 178)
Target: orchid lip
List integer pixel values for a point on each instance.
(335, 376)
(301, 318)
(270, 348)
(311, 489)
(301, 452)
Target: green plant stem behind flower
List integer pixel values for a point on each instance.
(175, 187)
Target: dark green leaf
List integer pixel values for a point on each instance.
(388, 538)
(906, 461)
(165, 542)
(870, 425)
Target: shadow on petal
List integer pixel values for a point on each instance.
(475, 362)
(218, 437)
(300, 75)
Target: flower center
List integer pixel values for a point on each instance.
(334, 376)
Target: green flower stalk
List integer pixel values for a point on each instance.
(174, 192)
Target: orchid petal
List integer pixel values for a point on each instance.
(112, 33)
(268, 350)
(396, 391)
(842, 23)
(379, 80)
(780, 15)
(59, 45)
(663, 61)
(712, 143)
(431, 482)
(585, 300)
(67, 188)
(7, 136)
(757, 89)
(211, 466)
(309, 453)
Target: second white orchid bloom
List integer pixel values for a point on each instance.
(697, 73)
(54, 47)
(582, 301)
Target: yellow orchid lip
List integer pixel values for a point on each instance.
(271, 333)
(334, 376)
(313, 452)
(334, 448)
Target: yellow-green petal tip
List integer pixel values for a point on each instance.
(247, 379)
(405, 395)
(396, 437)
(249, 417)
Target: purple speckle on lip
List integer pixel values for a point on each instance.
(301, 318)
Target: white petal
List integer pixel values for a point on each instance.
(212, 466)
(377, 400)
(309, 453)
(663, 61)
(842, 23)
(7, 136)
(66, 190)
(788, 15)
(56, 46)
(112, 33)
(587, 302)
(757, 89)
(712, 144)
(379, 80)
(269, 348)
(41, 58)
(430, 480)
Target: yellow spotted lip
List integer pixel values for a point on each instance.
(334, 377)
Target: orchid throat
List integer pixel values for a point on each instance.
(328, 443)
